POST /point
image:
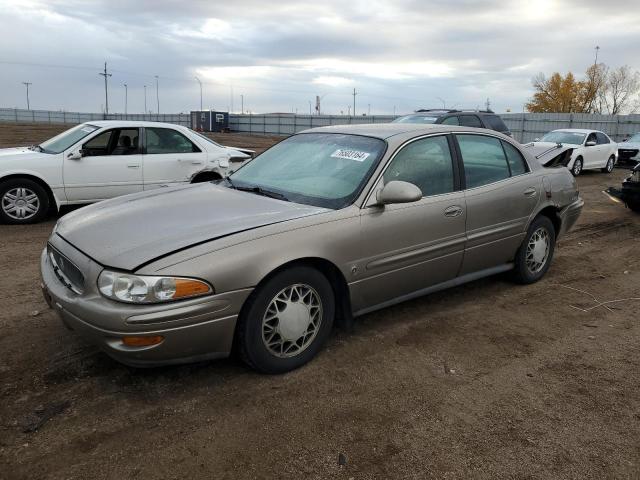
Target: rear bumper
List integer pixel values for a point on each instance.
(569, 216)
(191, 330)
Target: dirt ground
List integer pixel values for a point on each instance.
(488, 380)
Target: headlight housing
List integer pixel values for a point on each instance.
(144, 289)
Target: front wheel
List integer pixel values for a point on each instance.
(22, 201)
(608, 168)
(577, 167)
(286, 321)
(536, 251)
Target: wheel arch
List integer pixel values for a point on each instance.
(553, 214)
(344, 314)
(206, 176)
(53, 200)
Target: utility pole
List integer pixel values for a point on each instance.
(394, 110)
(157, 94)
(349, 110)
(354, 102)
(488, 104)
(106, 91)
(444, 104)
(368, 109)
(27, 85)
(125, 98)
(595, 62)
(241, 103)
(310, 107)
(145, 99)
(200, 92)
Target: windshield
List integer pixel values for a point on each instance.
(206, 138)
(61, 142)
(416, 119)
(634, 138)
(558, 136)
(321, 169)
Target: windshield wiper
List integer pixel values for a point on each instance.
(258, 191)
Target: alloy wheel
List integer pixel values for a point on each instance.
(537, 250)
(20, 203)
(292, 320)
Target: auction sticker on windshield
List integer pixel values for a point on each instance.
(350, 154)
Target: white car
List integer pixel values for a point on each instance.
(592, 148)
(629, 150)
(104, 159)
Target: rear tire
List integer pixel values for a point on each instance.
(536, 251)
(576, 169)
(608, 168)
(286, 321)
(22, 201)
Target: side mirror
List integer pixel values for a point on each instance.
(590, 143)
(624, 140)
(75, 154)
(536, 139)
(397, 191)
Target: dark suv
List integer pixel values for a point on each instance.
(466, 118)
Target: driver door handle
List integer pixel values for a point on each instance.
(530, 192)
(453, 211)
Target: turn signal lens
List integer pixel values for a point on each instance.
(190, 288)
(142, 341)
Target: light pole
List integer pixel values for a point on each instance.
(241, 104)
(368, 109)
(106, 91)
(125, 98)
(145, 99)
(310, 108)
(26, 84)
(444, 104)
(200, 92)
(157, 95)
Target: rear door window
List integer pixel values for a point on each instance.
(484, 160)
(167, 140)
(602, 138)
(470, 121)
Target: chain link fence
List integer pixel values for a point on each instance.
(525, 127)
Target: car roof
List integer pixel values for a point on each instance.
(383, 130)
(576, 130)
(132, 123)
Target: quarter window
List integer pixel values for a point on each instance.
(470, 121)
(426, 163)
(517, 164)
(167, 140)
(484, 160)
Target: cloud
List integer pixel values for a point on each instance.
(279, 55)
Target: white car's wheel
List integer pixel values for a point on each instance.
(22, 201)
(608, 168)
(577, 167)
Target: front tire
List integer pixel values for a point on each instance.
(536, 251)
(286, 321)
(608, 168)
(577, 167)
(22, 201)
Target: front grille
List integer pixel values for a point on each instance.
(66, 271)
(627, 153)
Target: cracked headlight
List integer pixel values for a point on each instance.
(125, 287)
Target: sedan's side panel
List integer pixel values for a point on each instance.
(497, 217)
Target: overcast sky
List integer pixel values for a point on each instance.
(279, 54)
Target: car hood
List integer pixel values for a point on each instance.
(130, 231)
(550, 153)
(629, 146)
(19, 153)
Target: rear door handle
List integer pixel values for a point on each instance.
(193, 162)
(453, 211)
(530, 192)
(133, 165)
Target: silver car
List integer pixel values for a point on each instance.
(327, 225)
